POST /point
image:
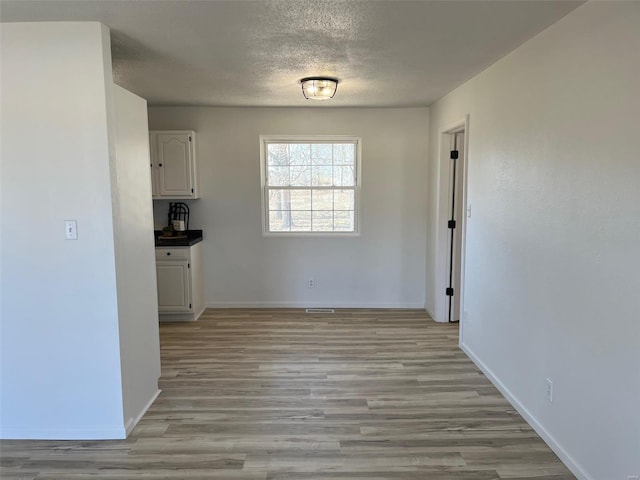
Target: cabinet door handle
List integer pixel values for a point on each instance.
(168, 253)
(159, 164)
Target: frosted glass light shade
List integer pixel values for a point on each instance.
(319, 88)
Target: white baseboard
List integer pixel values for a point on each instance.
(132, 422)
(198, 314)
(412, 306)
(181, 317)
(430, 313)
(567, 459)
(63, 433)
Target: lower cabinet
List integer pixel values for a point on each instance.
(180, 277)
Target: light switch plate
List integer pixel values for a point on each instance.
(70, 230)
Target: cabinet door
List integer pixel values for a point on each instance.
(174, 286)
(175, 159)
(154, 165)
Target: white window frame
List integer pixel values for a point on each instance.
(265, 139)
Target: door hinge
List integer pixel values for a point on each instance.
(454, 154)
(449, 292)
(451, 224)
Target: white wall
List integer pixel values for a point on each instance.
(72, 310)
(383, 267)
(60, 353)
(135, 257)
(553, 269)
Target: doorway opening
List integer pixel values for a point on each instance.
(456, 164)
(451, 223)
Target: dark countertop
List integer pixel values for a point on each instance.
(193, 237)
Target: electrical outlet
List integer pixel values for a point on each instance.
(312, 283)
(549, 390)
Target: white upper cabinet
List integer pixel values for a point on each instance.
(173, 164)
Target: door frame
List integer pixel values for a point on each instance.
(442, 231)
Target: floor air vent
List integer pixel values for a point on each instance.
(320, 310)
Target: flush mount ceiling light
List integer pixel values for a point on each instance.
(319, 88)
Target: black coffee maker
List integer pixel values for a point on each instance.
(178, 217)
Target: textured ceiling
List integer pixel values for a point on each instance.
(253, 53)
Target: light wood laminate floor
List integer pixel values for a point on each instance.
(283, 395)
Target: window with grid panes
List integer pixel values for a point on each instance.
(310, 184)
